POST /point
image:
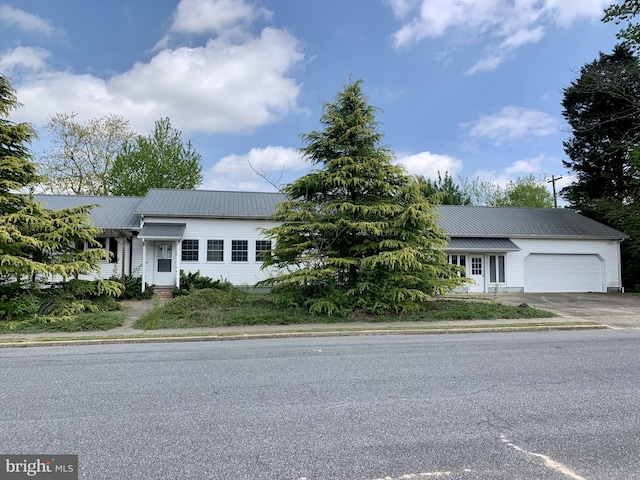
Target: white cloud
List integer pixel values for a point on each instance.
(214, 16)
(25, 20)
(538, 166)
(508, 24)
(524, 167)
(256, 170)
(28, 58)
(226, 85)
(429, 164)
(513, 123)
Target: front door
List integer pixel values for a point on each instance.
(476, 270)
(164, 266)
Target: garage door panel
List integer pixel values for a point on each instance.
(546, 273)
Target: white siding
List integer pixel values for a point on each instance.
(238, 273)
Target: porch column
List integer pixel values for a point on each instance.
(178, 259)
(144, 264)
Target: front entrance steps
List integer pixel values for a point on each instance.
(165, 293)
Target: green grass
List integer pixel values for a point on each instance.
(217, 308)
(84, 322)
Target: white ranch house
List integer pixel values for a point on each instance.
(219, 234)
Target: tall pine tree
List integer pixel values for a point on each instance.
(36, 243)
(602, 107)
(356, 234)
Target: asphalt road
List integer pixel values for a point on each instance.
(552, 405)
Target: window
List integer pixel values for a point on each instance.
(262, 249)
(111, 245)
(460, 260)
(215, 250)
(190, 250)
(239, 250)
(476, 265)
(496, 268)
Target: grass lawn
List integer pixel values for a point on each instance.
(218, 308)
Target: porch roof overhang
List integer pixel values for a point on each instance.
(478, 244)
(162, 231)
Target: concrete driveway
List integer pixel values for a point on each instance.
(613, 309)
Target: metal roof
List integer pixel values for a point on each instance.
(513, 222)
(455, 220)
(482, 244)
(162, 231)
(109, 212)
(209, 203)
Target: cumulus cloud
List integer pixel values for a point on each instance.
(227, 84)
(257, 170)
(429, 164)
(537, 166)
(509, 24)
(513, 123)
(206, 16)
(24, 20)
(27, 58)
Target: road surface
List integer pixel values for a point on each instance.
(555, 405)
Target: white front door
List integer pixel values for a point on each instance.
(164, 268)
(476, 273)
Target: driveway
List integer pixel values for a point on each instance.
(613, 309)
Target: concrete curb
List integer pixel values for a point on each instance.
(214, 337)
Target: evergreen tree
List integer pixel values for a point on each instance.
(602, 108)
(160, 160)
(35, 242)
(605, 124)
(443, 191)
(356, 233)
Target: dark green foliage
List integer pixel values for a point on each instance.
(602, 108)
(15, 304)
(605, 124)
(356, 233)
(159, 160)
(221, 309)
(195, 281)
(625, 11)
(35, 242)
(443, 191)
(84, 322)
(133, 288)
(65, 303)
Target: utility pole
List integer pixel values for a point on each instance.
(553, 183)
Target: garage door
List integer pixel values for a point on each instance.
(562, 273)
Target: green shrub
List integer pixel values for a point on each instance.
(192, 281)
(20, 305)
(133, 288)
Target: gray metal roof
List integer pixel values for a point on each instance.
(455, 220)
(208, 203)
(162, 231)
(482, 244)
(109, 212)
(512, 222)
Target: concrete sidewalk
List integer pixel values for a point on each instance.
(128, 334)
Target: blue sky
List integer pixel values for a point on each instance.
(472, 87)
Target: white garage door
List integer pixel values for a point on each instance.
(545, 273)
